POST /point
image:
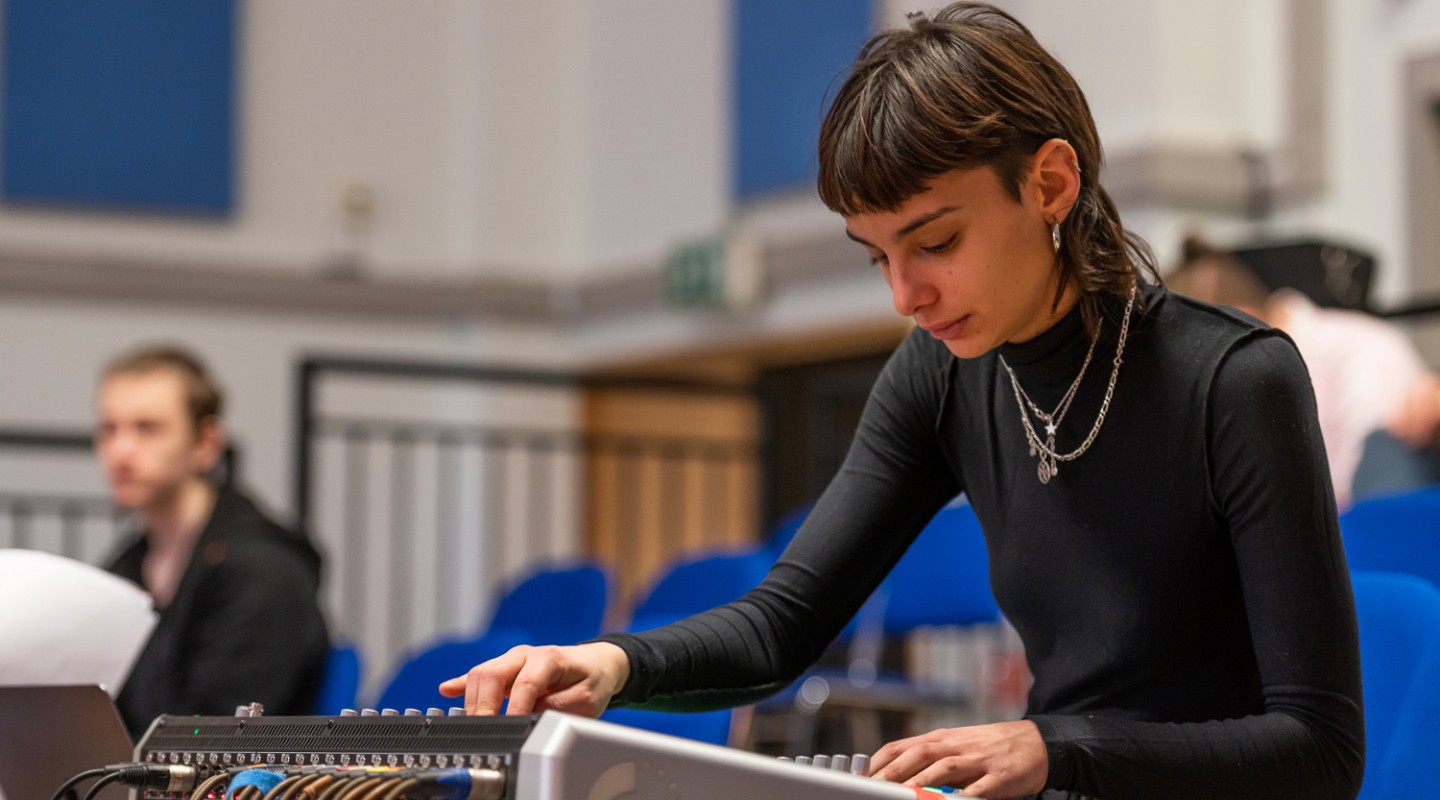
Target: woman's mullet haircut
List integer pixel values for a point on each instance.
(971, 87)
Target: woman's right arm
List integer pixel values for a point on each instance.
(893, 480)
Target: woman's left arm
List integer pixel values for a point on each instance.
(1271, 484)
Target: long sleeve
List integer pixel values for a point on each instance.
(1270, 484)
(893, 480)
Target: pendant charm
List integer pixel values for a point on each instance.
(1050, 430)
(1045, 471)
(1033, 451)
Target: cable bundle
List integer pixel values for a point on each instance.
(299, 783)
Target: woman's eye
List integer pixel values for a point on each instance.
(878, 261)
(936, 249)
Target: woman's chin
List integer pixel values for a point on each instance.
(968, 347)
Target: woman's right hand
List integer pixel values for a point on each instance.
(577, 680)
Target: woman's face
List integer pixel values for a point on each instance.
(972, 265)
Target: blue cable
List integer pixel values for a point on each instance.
(261, 778)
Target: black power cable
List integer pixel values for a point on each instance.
(69, 785)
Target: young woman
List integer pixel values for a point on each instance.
(1148, 470)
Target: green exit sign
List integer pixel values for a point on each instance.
(695, 274)
(722, 271)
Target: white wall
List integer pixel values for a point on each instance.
(331, 93)
(1364, 202)
(604, 134)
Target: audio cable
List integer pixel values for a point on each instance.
(162, 777)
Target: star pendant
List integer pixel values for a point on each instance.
(1049, 429)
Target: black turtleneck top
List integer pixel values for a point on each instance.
(1180, 588)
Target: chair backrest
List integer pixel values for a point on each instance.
(341, 684)
(689, 586)
(554, 604)
(712, 727)
(1396, 533)
(416, 681)
(1400, 664)
(944, 578)
(697, 583)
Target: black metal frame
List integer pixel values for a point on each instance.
(71, 510)
(538, 454)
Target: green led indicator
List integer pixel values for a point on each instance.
(196, 733)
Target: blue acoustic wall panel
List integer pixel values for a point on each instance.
(121, 104)
(788, 58)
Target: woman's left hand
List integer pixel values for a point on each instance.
(998, 761)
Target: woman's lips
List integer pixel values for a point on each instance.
(947, 330)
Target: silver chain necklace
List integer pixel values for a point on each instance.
(1049, 456)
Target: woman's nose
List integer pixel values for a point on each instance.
(909, 292)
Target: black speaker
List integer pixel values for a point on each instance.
(1330, 274)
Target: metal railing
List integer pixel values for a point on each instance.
(421, 518)
(73, 523)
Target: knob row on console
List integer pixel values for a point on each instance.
(858, 764)
(409, 712)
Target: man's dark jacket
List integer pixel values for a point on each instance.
(244, 625)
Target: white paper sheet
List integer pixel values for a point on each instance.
(63, 621)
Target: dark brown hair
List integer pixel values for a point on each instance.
(968, 88)
(1213, 275)
(203, 398)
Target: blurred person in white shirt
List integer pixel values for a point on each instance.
(1378, 402)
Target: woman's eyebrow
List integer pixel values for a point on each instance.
(910, 227)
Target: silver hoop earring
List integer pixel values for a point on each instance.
(1055, 236)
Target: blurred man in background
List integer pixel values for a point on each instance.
(239, 622)
(1379, 404)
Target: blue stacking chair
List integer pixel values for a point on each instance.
(942, 580)
(341, 684)
(416, 681)
(688, 587)
(549, 604)
(698, 583)
(1400, 661)
(554, 604)
(1395, 533)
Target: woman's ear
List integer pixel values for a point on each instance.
(1056, 172)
